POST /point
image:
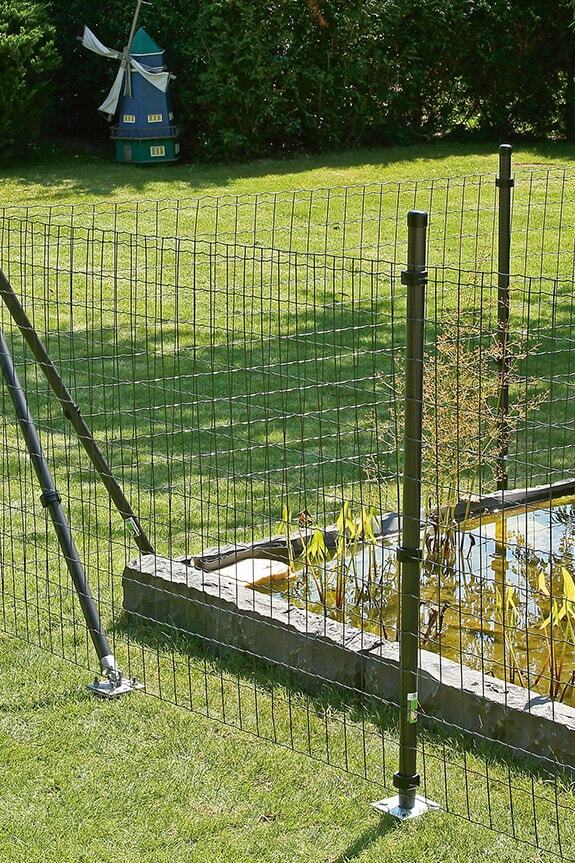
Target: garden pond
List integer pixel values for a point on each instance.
(497, 593)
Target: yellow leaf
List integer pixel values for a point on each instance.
(342, 518)
(367, 523)
(511, 600)
(316, 549)
(568, 585)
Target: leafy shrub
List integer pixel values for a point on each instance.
(522, 59)
(27, 58)
(255, 79)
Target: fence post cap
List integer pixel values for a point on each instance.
(417, 218)
(505, 151)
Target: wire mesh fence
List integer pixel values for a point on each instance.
(362, 221)
(241, 363)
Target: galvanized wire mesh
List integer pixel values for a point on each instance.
(362, 221)
(241, 362)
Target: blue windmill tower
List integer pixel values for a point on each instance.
(145, 131)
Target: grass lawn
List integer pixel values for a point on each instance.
(142, 780)
(79, 177)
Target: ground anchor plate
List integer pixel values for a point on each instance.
(390, 806)
(106, 688)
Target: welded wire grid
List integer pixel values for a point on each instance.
(497, 583)
(240, 361)
(362, 220)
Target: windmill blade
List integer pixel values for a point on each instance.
(110, 105)
(92, 43)
(160, 80)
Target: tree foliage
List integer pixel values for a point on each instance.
(27, 59)
(269, 78)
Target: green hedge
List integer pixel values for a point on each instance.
(265, 78)
(27, 60)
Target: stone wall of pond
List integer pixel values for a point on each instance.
(315, 650)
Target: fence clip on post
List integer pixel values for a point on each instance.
(407, 803)
(504, 183)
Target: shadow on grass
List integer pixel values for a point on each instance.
(78, 168)
(367, 838)
(324, 695)
(327, 697)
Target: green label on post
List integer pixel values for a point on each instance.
(131, 522)
(412, 706)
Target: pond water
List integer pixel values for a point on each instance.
(497, 594)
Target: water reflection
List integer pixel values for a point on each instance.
(497, 594)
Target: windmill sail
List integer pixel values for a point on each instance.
(109, 106)
(160, 80)
(92, 43)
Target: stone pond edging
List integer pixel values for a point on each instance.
(316, 650)
(388, 524)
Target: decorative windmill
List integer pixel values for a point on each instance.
(145, 131)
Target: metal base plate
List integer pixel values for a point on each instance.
(106, 688)
(390, 806)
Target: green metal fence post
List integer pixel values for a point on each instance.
(504, 183)
(408, 804)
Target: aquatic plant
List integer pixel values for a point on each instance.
(315, 553)
(353, 530)
(507, 617)
(549, 611)
(514, 616)
(558, 627)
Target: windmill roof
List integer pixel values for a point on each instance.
(144, 44)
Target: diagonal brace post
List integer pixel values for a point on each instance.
(72, 413)
(114, 684)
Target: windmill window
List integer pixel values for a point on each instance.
(171, 115)
(129, 118)
(157, 151)
(155, 118)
